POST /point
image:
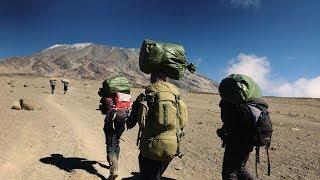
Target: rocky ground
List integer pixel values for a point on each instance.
(64, 140)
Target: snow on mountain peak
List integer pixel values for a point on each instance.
(76, 46)
(54, 46)
(79, 45)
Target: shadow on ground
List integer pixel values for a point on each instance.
(69, 164)
(136, 176)
(47, 92)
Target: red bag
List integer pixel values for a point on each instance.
(118, 107)
(122, 101)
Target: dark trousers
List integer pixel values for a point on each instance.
(152, 169)
(52, 88)
(65, 88)
(113, 132)
(234, 163)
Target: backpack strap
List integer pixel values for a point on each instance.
(268, 159)
(179, 133)
(257, 160)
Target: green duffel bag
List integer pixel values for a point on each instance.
(113, 85)
(238, 88)
(167, 58)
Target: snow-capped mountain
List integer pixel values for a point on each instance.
(96, 62)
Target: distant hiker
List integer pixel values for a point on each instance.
(246, 124)
(160, 112)
(116, 105)
(53, 84)
(65, 85)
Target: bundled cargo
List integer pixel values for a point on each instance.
(167, 58)
(113, 85)
(52, 79)
(65, 81)
(238, 88)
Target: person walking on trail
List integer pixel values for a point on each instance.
(160, 131)
(65, 87)
(160, 112)
(246, 124)
(52, 85)
(66, 84)
(116, 105)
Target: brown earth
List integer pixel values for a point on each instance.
(70, 125)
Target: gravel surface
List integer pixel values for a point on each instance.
(65, 140)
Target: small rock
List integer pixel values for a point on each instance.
(295, 129)
(53, 126)
(178, 168)
(57, 132)
(273, 148)
(88, 97)
(16, 105)
(26, 85)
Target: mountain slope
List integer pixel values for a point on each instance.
(94, 62)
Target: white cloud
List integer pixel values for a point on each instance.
(250, 65)
(301, 88)
(259, 69)
(243, 3)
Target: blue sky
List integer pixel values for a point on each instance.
(214, 33)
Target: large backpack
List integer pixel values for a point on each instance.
(117, 107)
(162, 116)
(262, 130)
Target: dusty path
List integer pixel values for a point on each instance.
(65, 139)
(64, 126)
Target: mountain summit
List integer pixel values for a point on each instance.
(94, 62)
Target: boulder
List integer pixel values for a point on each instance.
(16, 105)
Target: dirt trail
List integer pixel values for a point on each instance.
(63, 127)
(65, 139)
(91, 141)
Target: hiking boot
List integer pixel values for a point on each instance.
(113, 162)
(112, 177)
(114, 170)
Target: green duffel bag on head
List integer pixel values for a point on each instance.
(113, 85)
(167, 58)
(238, 88)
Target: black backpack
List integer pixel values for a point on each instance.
(262, 130)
